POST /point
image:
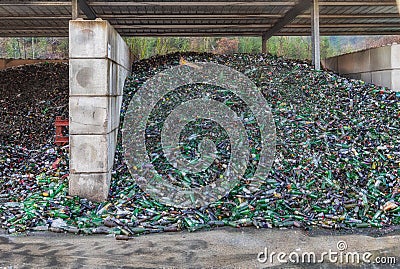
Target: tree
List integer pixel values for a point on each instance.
(249, 44)
(227, 46)
(145, 47)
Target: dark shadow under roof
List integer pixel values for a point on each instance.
(203, 18)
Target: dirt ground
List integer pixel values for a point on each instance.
(220, 248)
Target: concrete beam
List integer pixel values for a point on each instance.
(298, 9)
(315, 35)
(8, 3)
(82, 5)
(87, 10)
(202, 17)
(99, 63)
(234, 3)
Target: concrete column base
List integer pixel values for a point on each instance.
(94, 186)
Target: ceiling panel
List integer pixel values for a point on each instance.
(195, 18)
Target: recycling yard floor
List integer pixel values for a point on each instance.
(219, 248)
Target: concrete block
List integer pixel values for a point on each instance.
(117, 78)
(362, 61)
(113, 145)
(97, 39)
(89, 77)
(94, 186)
(386, 78)
(88, 153)
(115, 113)
(112, 43)
(96, 77)
(382, 78)
(119, 102)
(346, 64)
(381, 58)
(89, 115)
(396, 56)
(376, 78)
(124, 54)
(396, 80)
(353, 76)
(113, 78)
(93, 115)
(117, 49)
(123, 73)
(88, 39)
(92, 153)
(331, 63)
(380, 66)
(366, 77)
(352, 63)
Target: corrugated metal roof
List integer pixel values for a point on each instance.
(196, 18)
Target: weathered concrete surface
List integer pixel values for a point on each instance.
(99, 64)
(221, 248)
(380, 66)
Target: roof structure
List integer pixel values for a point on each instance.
(202, 18)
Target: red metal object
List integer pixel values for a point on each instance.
(60, 124)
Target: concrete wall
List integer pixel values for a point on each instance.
(7, 63)
(380, 66)
(98, 65)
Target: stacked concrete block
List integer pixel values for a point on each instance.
(380, 66)
(99, 63)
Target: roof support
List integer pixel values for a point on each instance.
(75, 10)
(398, 5)
(236, 3)
(77, 5)
(235, 16)
(300, 29)
(315, 36)
(87, 10)
(264, 44)
(200, 18)
(298, 9)
(195, 3)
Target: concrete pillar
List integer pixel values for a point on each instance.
(99, 63)
(315, 37)
(264, 44)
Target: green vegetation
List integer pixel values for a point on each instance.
(296, 47)
(34, 47)
(291, 47)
